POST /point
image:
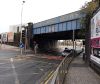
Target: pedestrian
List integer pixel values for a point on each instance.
(35, 47)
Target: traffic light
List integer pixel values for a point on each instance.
(23, 33)
(0, 36)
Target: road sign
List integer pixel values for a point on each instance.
(21, 45)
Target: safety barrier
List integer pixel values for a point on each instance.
(59, 75)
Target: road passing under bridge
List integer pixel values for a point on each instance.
(26, 69)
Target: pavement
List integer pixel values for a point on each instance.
(81, 73)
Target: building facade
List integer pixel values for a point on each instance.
(15, 28)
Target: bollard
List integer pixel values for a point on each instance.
(84, 56)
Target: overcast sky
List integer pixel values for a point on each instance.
(34, 10)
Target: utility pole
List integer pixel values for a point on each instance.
(73, 41)
(21, 26)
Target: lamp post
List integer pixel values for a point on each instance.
(73, 41)
(21, 26)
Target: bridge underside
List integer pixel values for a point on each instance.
(50, 40)
(65, 35)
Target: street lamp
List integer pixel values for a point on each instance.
(21, 26)
(73, 41)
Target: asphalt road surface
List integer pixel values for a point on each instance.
(24, 71)
(7, 51)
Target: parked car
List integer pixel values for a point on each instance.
(66, 52)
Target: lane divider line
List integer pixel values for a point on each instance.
(14, 71)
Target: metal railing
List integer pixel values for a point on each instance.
(61, 71)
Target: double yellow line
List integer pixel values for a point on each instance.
(47, 78)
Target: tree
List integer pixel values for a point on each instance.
(88, 9)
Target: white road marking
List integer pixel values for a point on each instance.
(29, 74)
(2, 63)
(11, 59)
(35, 73)
(41, 69)
(14, 71)
(5, 67)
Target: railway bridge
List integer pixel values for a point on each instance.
(48, 32)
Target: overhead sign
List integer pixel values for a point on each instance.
(10, 36)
